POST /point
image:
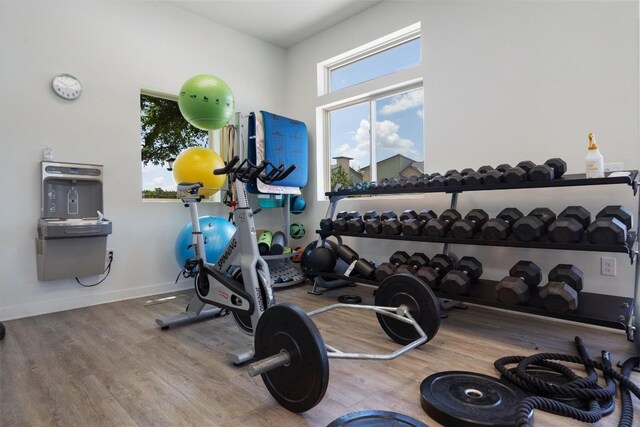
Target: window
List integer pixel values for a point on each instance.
(377, 131)
(164, 134)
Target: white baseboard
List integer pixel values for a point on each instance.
(70, 303)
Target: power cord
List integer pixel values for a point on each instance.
(106, 270)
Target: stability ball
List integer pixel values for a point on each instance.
(206, 102)
(216, 232)
(196, 164)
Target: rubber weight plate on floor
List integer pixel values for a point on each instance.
(469, 399)
(375, 419)
(350, 299)
(300, 385)
(408, 290)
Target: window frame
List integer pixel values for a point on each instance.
(374, 47)
(402, 80)
(213, 143)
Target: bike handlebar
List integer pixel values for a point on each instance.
(246, 171)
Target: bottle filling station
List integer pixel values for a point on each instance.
(72, 232)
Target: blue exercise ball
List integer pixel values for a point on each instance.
(297, 204)
(216, 232)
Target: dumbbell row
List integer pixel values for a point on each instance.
(442, 272)
(570, 226)
(560, 294)
(524, 171)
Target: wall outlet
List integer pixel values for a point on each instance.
(109, 258)
(613, 167)
(608, 266)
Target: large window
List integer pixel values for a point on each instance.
(376, 130)
(163, 134)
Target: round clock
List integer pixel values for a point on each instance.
(66, 86)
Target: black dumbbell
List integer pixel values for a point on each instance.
(392, 226)
(418, 260)
(374, 225)
(454, 180)
(515, 175)
(570, 225)
(550, 170)
(533, 226)
(439, 265)
(440, 227)
(369, 215)
(355, 225)
(466, 171)
(458, 281)
(611, 226)
(493, 177)
(526, 165)
(516, 288)
(437, 181)
(408, 214)
(484, 169)
(341, 224)
(472, 223)
(326, 224)
(450, 172)
(386, 269)
(561, 293)
(414, 227)
(503, 167)
(499, 228)
(362, 267)
(473, 178)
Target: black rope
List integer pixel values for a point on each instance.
(584, 388)
(626, 418)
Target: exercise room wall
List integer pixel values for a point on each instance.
(503, 82)
(115, 49)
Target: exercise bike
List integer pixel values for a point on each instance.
(239, 281)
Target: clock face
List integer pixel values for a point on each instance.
(66, 86)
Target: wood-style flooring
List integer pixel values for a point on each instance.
(110, 365)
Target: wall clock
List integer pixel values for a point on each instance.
(66, 86)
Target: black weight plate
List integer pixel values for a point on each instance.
(349, 299)
(406, 289)
(469, 399)
(555, 377)
(375, 419)
(301, 384)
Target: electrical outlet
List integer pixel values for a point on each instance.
(613, 167)
(109, 258)
(608, 266)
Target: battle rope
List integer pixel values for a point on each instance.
(584, 388)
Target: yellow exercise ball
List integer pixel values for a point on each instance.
(196, 164)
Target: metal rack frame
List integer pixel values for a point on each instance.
(597, 309)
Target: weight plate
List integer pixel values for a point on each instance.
(301, 384)
(469, 399)
(375, 419)
(349, 299)
(408, 290)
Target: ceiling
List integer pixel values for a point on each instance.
(282, 23)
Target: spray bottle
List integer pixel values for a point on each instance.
(594, 160)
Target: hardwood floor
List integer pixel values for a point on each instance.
(110, 365)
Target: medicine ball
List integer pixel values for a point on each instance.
(307, 262)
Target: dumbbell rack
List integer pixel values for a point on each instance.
(596, 309)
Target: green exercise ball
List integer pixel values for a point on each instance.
(206, 102)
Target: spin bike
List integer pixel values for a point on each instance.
(239, 281)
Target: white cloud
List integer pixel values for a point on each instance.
(387, 137)
(158, 181)
(360, 152)
(403, 102)
(420, 113)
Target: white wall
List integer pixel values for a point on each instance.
(503, 82)
(115, 48)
